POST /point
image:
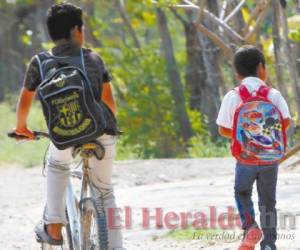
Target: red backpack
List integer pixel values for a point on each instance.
(259, 135)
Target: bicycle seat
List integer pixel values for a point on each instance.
(91, 148)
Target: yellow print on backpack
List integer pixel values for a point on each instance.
(70, 116)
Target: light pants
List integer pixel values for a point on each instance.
(58, 172)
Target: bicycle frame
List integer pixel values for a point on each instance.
(72, 203)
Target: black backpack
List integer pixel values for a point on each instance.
(71, 110)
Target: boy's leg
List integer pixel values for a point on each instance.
(244, 179)
(57, 170)
(100, 175)
(266, 187)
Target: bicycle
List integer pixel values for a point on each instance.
(85, 213)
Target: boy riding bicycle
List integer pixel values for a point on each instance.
(66, 29)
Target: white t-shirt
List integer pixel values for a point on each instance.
(232, 100)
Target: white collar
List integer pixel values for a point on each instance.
(252, 83)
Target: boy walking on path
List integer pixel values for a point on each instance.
(255, 117)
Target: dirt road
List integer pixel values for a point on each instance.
(177, 186)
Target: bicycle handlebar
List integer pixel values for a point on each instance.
(37, 135)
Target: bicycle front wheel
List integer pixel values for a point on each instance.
(94, 233)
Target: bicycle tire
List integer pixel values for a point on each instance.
(69, 233)
(90, 207)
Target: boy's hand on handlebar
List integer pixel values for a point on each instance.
(24, 132)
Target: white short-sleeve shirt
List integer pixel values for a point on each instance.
(232, 100)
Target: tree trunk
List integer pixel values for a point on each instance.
(291, 60)
(277, 48)
(298, 6)
(195, 70)
(89, 7)
(173, 73)
(211, 57)
(297, 53)
(195, 75)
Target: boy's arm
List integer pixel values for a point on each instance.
(287, 123)
(31, 80)
(284, 109)
(107, 97)
(225, 116)
(23, 107)
(105, 81)
(225, 132)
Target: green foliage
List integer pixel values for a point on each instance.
(295, 35)
(202, 146)
(294, 26)
(145, 104)
(143, 92)
(142, 88)
(159, 3)
(30, 154)
(27, 154)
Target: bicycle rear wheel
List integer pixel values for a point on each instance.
(94, 233)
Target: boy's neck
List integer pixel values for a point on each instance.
(252, 81)
(65, 41)
(243, 78)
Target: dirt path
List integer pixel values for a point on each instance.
(173, 185)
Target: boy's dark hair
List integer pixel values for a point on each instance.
(246, 60)
(61, 18)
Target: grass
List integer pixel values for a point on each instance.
(203, 147)
(190, 233)
(31, 153)
(208, 236)
(27, 154)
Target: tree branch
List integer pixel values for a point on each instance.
(232, 34)
(214, 38)
(257, 10)
(235, 11)
(179, 17)
(126, 20)
(223, 10)
(259, 20)
(202, 4)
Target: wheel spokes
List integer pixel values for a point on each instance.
(90, 230)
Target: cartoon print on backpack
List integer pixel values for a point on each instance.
(259, 136)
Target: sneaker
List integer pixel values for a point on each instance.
(246, 248)
(252, 237)
(267, 248)
(42, 235)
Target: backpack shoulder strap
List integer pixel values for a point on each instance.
(40, 67)
(263, 91)
(243, 92)
(82, 60)
(40, 57)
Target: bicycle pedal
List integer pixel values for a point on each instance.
(38, 239)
